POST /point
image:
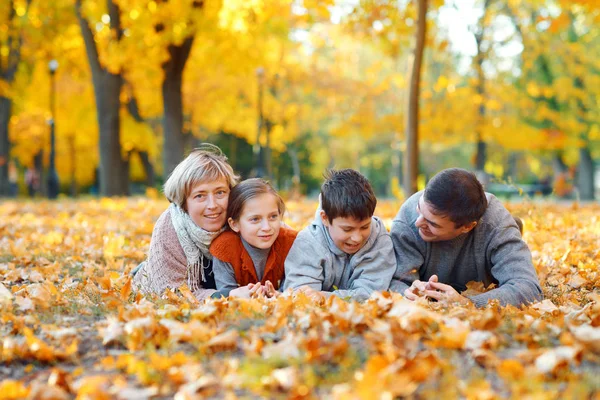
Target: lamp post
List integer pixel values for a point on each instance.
(257, 149)
(52, 175)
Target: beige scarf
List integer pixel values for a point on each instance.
(195, 242)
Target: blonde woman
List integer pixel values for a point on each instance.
(198, 189)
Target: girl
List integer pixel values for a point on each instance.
(198, 190)
(248, 259)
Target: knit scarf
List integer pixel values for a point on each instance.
(195, 242)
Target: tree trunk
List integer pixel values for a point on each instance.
(481, 156)
(268, 155)
(114, 171)
(512, 166)
(233, 151)
(412, 126)
(174, 142)
(12, 40)
(5, 106)
(558, 164)
(114, 174)
(73, 154)
(295, 192)
(585, 174)
(134, 111)
(148, 168)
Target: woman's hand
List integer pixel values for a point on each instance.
(243, 292)
(249, 291)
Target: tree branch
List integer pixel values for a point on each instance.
(88, 39)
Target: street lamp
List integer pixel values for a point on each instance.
(257, 149)
(52, 175)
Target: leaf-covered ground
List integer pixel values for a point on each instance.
(72, 327)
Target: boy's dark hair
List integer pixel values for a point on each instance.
(457, 194)
(347, 193)
(247, 190)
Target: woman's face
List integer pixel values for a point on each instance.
(207, 204)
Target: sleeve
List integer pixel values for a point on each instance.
(303, 267)
(224, 276)
(512, 267)
(409, 258)
(375, 272)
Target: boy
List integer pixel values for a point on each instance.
(345, 251)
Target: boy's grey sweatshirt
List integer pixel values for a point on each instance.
(315, 261)
(492, 252)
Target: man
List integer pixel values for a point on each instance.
(452, 233)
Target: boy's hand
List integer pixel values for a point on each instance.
(312, 294)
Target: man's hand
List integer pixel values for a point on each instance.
(445, 293)
(418, 288)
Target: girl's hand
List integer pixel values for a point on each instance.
(271, 291)
(257, 290)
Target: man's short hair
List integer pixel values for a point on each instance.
(457, 194)
(347, 193)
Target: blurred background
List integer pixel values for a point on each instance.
(106, 97)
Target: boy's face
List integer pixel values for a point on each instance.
(348, 234)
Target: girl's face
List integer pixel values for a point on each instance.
(259, 222)
(207, 204)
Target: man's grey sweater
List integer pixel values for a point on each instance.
(315, 261)
(492, 252)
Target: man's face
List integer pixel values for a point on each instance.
(437, 228)
(348, 234)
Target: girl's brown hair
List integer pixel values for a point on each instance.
(247, 190)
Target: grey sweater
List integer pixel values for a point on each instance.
(225, 275)
(315, 261)
(492, 252)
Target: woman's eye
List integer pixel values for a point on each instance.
(199, 196)
(254, 219)
(274, 216)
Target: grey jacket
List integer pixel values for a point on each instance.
(315, 261)
(492, 252)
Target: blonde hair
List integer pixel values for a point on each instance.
(206, 163)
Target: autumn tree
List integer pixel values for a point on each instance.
(561, 90)
(13, 16)
(108, 81)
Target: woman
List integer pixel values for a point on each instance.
(198, 189)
